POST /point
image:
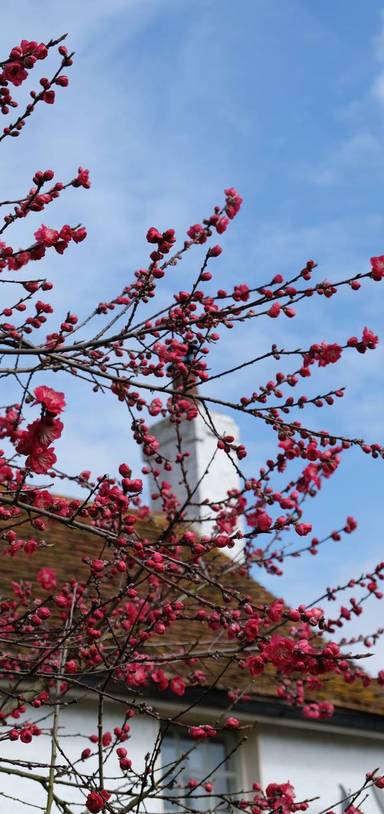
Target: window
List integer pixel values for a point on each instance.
(206, 756)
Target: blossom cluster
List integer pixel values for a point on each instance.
(105, 595)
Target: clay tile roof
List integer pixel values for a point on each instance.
(65, 550)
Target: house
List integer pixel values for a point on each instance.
(326, 757)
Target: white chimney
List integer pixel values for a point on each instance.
(209, 470)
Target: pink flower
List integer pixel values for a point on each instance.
(232, 722)
(78, 235)
(97, 566)
(311, 711)
(251, 628)
(302, 529)
(41, 51)
(233, 202)
(377, 264)
(96, 801)
(241, 293)
(159, 677)
(221, 225)
(129, 485)
(47, 578)
(153, 235)
(369, 339)
(274, 310)
(62, 81)
(259, 520)
(82, 179)
(350, 525)
(328, 354)
(275, 610)
(52, 400)
(49, 97)
(15, 72)
(177, 685)
(197, 233)
(197, 732)
(46, 235)
(41, 460)
(40, 433)
(326, 709)
(255, 665)
(379, 782)
(281, 797)
(192, 783)
(280, 651)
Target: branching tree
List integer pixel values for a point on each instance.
(117, 625)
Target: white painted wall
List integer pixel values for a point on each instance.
(78, 721)
(316, 762)
(217, 475)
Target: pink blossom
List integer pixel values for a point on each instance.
(41, 460)
(197, 233)
(260, 520)
(280, 651)
(255, 665)
(379, 782)
(232, 722)
(96, 801)
(14, 72)
(177, 685)
(377, 264)
(52, 400)
(49, 97)
(47, 578)
(197, 732)
(46, 235)
(153, 235)
(252, 627)
(369, 339)
(302, 529)
(274, 310)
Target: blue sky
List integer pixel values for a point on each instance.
(169, 102)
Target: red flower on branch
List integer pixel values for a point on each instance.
(50, 399)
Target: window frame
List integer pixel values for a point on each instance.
(229, 770)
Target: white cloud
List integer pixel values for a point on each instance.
(86, 21)
(378, 88)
